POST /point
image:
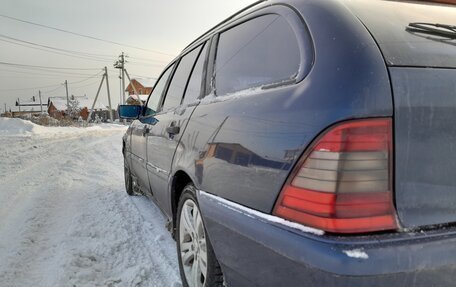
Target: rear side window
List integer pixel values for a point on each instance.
(259, 52)
(194, 85)
(179, 82)
(155, 96)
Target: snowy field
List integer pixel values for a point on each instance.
(65, 219)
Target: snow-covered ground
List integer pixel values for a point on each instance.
(65, 219)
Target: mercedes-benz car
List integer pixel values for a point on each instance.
(307, 143)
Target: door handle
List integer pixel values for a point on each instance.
(173, 130)
(145, 130)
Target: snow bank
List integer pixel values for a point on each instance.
(15, 126)
(19, 127)
(65, 218)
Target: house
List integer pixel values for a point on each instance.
(78, 107)
(28, 109)
(25, 113)
(143, 88)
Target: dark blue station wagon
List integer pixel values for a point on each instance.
(307, 143)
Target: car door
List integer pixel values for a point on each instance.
(138, 154)
(171, 122)
(140, 129)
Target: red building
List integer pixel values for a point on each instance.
(57, 107)
(143, 86)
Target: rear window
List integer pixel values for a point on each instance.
(387, 22)
(258, 52)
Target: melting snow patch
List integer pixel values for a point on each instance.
(356, 253)
(253, 213)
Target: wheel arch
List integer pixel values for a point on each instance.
(180, 180)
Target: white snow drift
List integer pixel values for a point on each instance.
(65, 219)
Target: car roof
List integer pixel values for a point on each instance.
(386, 20)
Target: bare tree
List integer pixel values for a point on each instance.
(73, 108)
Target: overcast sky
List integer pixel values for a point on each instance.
(161, 28)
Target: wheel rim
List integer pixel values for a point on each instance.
(193, 246)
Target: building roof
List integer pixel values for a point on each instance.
(31, 103)
(146, 82)
(60, 103)
(30, 106)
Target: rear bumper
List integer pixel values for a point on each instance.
(256, 251)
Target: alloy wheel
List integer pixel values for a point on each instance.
(193, 245)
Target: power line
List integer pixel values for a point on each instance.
(56, 73)
(85, 54)
(148, 60)
(31, 88)
(55, 52)
(53, 90)
(142, 76)
(45, 67)
(75, 54)
(82, 35)
(148, 64)
(86, 85)
(52, 86)
(31, 75)
(38, 73)
(91, 77)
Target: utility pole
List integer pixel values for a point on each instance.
(120, 64)
(123, 77)
(120, 86)
(5, 109)
(96, 98)
(19, 104)
(41, 103)
(105, 76)
(68, 99)
(109, 94)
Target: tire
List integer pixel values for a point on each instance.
(192, 242)
(128, 179)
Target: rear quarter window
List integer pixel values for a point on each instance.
(258, 52)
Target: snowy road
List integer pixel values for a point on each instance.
(65, 219)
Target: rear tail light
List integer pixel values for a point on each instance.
(344, 182)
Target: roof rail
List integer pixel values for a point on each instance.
(225, 21)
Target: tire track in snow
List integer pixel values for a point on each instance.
(48, 149)
(12, 183)
(82, 229)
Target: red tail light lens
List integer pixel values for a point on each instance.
(344, 183)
